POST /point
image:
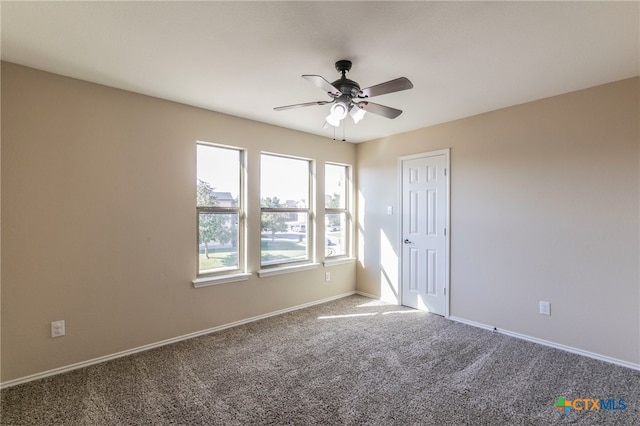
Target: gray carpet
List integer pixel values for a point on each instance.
(348, 362)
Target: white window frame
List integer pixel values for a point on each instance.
(267, 269)
(229, 274)
(346, 211)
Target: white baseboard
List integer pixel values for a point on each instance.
(370, 296)
(576, 351)
(143, 348)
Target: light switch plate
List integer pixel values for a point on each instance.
(545, 308)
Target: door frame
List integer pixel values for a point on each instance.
(447, 153)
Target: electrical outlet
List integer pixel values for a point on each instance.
(57, 328)
(545, 308)
(327, 276)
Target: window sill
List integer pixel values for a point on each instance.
(220, 279)
(338, 261)
(286, 269)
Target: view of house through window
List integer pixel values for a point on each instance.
(219, 207)
(336, 212)
(284, 209)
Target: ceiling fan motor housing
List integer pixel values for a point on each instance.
(346, 86)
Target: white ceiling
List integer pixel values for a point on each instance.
(244, 58)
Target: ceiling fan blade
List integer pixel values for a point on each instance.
(322, 84)
(397, 85)
(382, 110)
(280, 108)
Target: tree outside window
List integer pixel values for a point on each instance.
(336, 214)
(219, 207)
(284, 210)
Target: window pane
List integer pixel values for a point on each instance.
(284, 237)
(336, 234)
(335, 178)
(218, 241)
(284, 182)
(218, 172)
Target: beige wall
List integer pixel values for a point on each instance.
(98, 221)
(544, 206)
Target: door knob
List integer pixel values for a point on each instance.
(407, 241)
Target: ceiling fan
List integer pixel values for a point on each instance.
(348, 98)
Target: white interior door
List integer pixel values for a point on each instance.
(425, 241)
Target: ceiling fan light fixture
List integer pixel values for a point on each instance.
(338, 112)
(357, 114)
